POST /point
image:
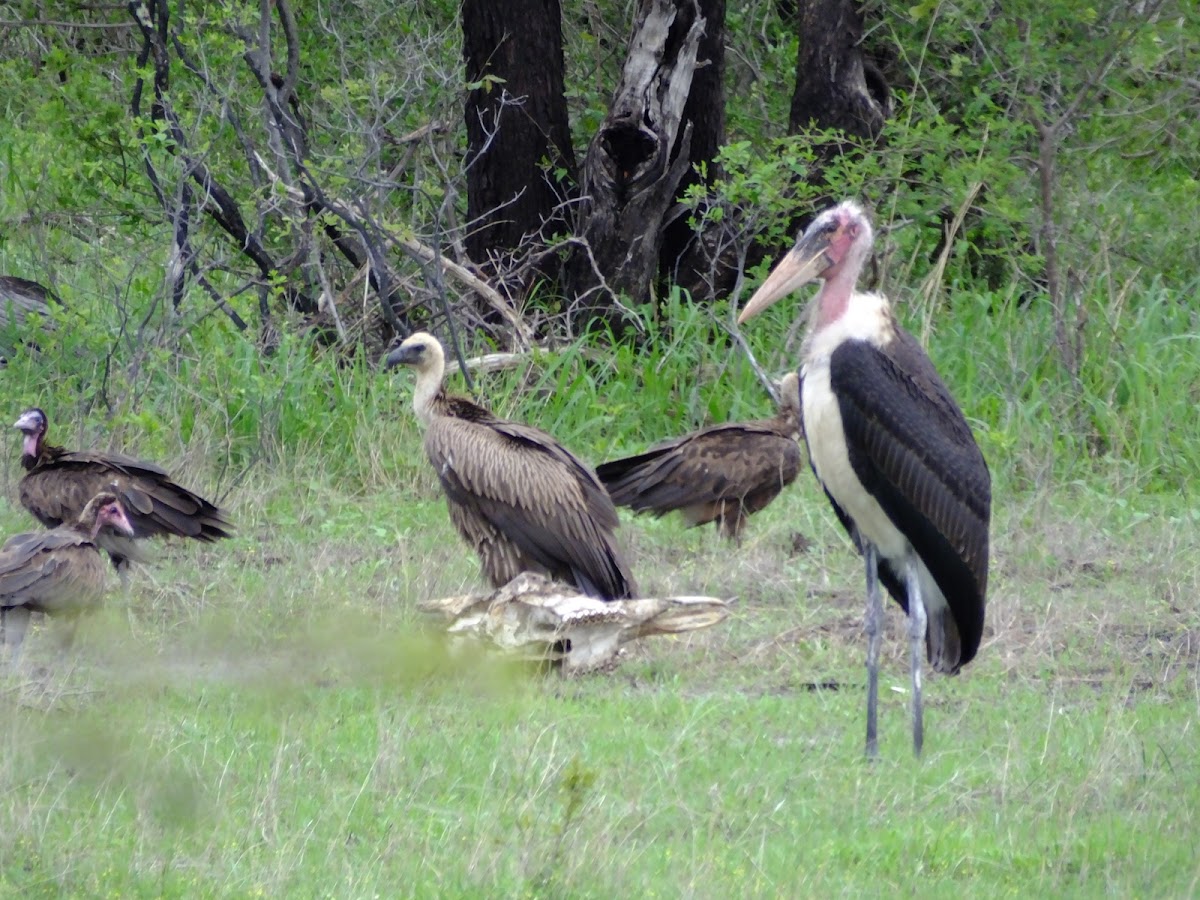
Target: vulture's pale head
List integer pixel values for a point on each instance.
(422, 352)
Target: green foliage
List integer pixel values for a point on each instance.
(968, 85)
(604, 402)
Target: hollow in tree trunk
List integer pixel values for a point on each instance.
(634, 166)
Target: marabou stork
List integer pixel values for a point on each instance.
(893, 452)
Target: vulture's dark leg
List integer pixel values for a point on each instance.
(14, 621)
(916, 639)
(873, 627)
(728, 525)
(739, 524)
(121, 564)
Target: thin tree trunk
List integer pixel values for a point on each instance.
(831, 84)
(683, 260)
(516, 120)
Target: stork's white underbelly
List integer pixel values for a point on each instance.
(831, 460)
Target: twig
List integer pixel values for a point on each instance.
(768, 383)
(326, 299)
(734, 332)
(933, 281)
(426, 255)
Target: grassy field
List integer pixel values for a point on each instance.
(269, 717)
(272, 717)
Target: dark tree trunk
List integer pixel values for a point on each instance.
(833, 89)
(514, 122)
(837, 89)
(634, 166)
(683, 260)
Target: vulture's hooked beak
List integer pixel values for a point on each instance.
(28, 422)
(402, 356)
(799, 266)
(119, 521)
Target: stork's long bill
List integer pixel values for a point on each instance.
(806, 261)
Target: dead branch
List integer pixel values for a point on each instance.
(423, 254)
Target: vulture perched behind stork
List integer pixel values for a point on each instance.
(60, 482)
(57, 572)
(893, 452)
(516, 495)
(721, 474)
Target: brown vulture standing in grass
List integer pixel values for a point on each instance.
(57, 572)
(516, 495)
(60, 482)
(721, 474)
(893, 452)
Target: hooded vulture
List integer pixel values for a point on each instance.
(893, 452)
(57, 572)
(721, 474)
(60, 482)
(516, 495)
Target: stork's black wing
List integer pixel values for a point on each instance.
(912, 449)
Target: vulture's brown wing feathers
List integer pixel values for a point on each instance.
(522, 498)
(60, 485)
(51, 571)
(748, 462)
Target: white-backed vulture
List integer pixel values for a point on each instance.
(519, 498)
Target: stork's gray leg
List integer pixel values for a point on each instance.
(14, 621)
(873, 627)
(916, 640)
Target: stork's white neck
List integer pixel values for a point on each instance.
(858, 317)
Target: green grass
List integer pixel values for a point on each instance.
(270, 717)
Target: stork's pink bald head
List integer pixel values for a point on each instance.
(833, 248)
